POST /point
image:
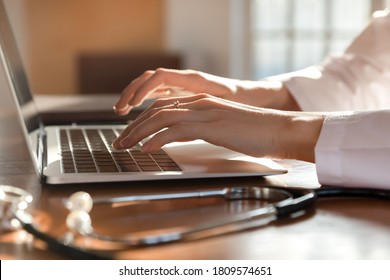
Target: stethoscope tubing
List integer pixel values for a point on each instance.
(349, 192)
(293, 200)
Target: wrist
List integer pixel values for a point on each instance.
(301, 134)
(265, 93)
(284, 99)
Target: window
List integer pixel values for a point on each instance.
(287, 35)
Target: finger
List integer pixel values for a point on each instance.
(177, 81)
(161, 120)
(149, 83)
(126, 100)
(202, 102)
(166, 103)
(199, 102)
(158, 106)
(176, 133)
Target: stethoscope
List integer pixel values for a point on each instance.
(278, 203)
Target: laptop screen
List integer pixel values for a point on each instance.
(14, 67)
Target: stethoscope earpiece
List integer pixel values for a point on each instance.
(78, 220)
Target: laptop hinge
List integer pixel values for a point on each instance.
(41, 151)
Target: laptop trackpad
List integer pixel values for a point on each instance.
(201, 157)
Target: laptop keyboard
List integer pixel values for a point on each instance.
(90, 151)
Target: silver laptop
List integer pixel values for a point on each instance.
(83, 154)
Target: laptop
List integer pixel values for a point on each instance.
(67, 154)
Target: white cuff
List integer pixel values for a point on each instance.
(354, 150)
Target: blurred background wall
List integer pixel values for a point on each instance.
(86, 46)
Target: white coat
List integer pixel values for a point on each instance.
(354, 145)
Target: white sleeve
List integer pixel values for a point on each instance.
(354, 150)
(359, 79)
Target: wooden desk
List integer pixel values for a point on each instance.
(337, 229)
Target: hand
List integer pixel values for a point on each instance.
(243, 128)
(165, 82)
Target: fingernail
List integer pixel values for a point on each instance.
(116, 145)
(122, 110)
(145, 147)
(123, 142)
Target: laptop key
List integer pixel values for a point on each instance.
(86, 169)
(108, 169)
(129, 167)
(150, 168)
